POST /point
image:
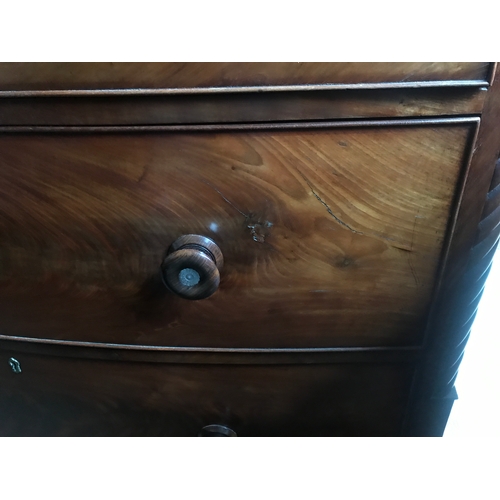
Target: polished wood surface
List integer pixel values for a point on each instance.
(59, 76)
(474, 239)
(240, 108)
(353, 204)
(70, 397)
(210, 355)
(331, 237)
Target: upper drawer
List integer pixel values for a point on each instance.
(92, 76)
(331, 236)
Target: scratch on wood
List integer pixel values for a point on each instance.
(404, 249)
(227, 201)
(417, 282)
(144, 172)
(258, 230)
(328, 209)
(341, 222)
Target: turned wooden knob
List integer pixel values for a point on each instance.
(191, 267)
(217, 431)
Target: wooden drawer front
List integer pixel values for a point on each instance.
(87, 76)
(71, 397)
(331, 237)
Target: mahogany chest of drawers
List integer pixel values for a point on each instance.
(242, 249)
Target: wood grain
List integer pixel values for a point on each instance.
(337, 237)
(330, 237)
(209, 355)
(457, 314)
(87, 76)
(69, 397)
(241, 108)
(474, 238)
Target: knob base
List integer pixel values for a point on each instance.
(216, 431)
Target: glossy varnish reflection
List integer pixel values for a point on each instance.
(330, 237)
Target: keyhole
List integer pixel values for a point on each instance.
(15, 365)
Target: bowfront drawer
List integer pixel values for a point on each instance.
(328, 236)
(76, 397)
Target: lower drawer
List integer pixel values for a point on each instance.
(58, 396)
